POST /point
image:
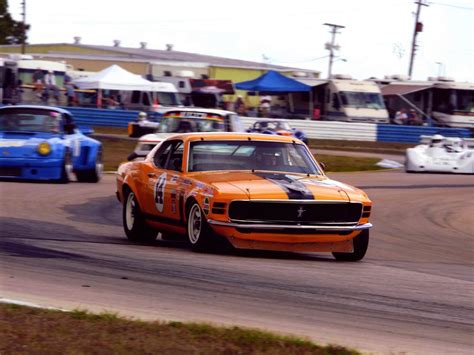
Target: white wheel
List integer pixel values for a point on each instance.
(134, 224)
(194, 224)
(199, 234)
(130, 211)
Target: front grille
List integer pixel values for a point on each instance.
(10, 172)
(295, 212)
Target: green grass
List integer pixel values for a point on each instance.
(336, 163)
(116, 151)
(357, 146)
(27, 330)
(110, 130)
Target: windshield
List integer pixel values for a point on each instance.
(273, 125)
(168, 98)
(251, 155)
(450, 100)
(371, 100)
(186, 122)
(30, 120)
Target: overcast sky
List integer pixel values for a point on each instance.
(376, 40)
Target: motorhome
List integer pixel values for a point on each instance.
(453, 104)
(205, 93)
(441, 100)
(342, 98)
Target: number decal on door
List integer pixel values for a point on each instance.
(160, 192)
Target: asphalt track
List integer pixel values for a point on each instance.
(63, 246)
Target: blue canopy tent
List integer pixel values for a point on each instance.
(274, 83)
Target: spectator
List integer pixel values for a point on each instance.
(401, 117)
(51, 85)
(264, 107)
(413, 119)
(38, 82)
(239, 106)
(70, 93)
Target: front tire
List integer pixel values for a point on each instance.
(198, 231)
(361, 243)
(66, 169)
(134, 224)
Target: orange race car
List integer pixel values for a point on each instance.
(254, 191)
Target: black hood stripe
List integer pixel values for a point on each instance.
(294, 189)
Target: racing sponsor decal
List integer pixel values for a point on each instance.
(295, 189)
(173, 201)
(206, 205)
(174, 178)
(160, 192)
(11, 143)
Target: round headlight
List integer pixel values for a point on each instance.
(44, 148)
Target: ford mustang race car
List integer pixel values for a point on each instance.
(252, 191)
(185, 120)
(279, 127)
(43, 143)
(441, 154)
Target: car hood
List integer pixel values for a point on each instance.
(24, 144)
(273, 185)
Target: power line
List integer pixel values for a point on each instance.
(454, 6)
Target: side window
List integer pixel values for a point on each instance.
(161, 156)
(68, 124)
(335, 101)
(176, 159)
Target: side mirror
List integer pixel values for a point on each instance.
(322, 165)
(69, 128)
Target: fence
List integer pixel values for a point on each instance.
(367, 132)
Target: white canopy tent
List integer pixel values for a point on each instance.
(117, 78)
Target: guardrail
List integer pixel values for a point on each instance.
(366, 132)
(105, 117)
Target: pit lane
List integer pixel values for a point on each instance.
(63, 246)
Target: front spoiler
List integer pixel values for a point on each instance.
(322, 228)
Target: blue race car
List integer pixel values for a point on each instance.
(43, 143)
(279, 127)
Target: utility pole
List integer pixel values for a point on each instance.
(418, 28)
(23, 37)
(331, 46)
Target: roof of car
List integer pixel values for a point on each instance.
(199, 109)
(219, 136)
(37, 107)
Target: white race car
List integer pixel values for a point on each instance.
(441, 155)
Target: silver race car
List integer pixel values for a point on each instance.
(441, 155)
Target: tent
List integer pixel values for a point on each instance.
(115, 78)
(273, 82)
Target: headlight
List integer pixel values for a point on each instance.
(44, 148)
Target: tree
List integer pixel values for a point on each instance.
(11, 31)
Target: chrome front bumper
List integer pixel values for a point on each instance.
(323, 228)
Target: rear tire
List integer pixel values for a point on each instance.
(94, 174)
(134, 224)
(361, 243)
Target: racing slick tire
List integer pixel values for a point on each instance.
(197, 229)
(66, 169)
(361, 243)
(135, 227)
(94, 174)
